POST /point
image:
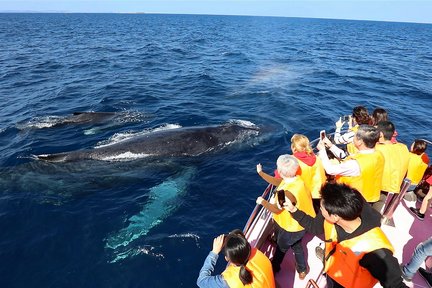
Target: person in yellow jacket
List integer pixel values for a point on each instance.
(363, 170)
(247, 266)
(311, 170)
(396, 157)
(357, 252)
(288, 232)
(418, 162)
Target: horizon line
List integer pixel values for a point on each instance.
(197, 14)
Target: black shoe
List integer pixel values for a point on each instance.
(417, 213)
(426, 275)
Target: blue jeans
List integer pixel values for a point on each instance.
(423, 250)
(286, 240)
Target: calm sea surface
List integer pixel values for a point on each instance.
(163, 72)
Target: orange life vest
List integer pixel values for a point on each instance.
(416, 167)
(343, 263)
(369, 182)
(395, 167)
(304, 203)
(260, 267)
(313, 177)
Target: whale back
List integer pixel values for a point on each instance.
(189, 141)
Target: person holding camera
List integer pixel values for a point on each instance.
(360, 116)
(288, 232)
(362, 170)
(246, 265)
(357, 252)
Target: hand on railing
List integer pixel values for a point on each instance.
(259, 200)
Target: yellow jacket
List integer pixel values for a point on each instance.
(260, 267)
(369, 182)
(351, 149)
(395, 167)
(313, 177)
(416, 168)
(304, 203)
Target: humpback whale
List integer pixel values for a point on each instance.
(89, 117)
(171, 145)
(107, 119)
(185, 141)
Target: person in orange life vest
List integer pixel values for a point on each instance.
(357, 252)
(311, 170)
(360, 116)
(363, 170)
(378, 115)
(396, 158)
(247, 267)
(420, 212)
(418, 162)
(288, 232)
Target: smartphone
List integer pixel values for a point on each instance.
(281, 197)
(345, 118)
(322, 134)
(281, 194)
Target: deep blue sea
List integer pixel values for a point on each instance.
(164, 72)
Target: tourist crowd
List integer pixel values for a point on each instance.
(342, 193)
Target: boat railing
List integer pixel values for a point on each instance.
(393, 201)
(427, 141)
(312, 284)
(257, 223)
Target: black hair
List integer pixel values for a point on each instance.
(387, 128)
(378, 115)
(419, 146)
(360, 114)
(342, 200)
(368, 134)
(237, 249)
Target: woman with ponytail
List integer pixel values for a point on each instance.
(247, 267)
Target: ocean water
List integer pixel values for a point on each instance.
(89, 223)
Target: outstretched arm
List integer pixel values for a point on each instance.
(269, 179)
(269, 206)
(205, 278)
(345, 138)
(313, 225)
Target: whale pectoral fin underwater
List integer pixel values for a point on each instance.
(160, 205)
